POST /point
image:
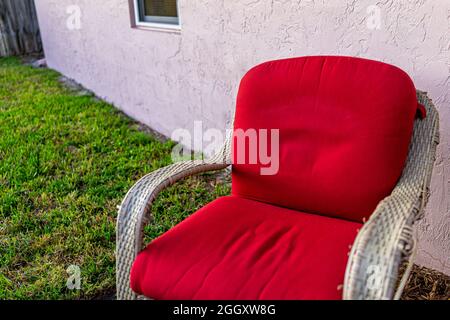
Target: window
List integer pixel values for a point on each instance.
(156, 13)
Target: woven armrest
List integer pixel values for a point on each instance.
(386, 239)
(134, 212)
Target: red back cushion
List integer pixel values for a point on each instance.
(344, 124)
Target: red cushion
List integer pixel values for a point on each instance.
(235, 248)
(344, 124)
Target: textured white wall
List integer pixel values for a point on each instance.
(168, 80)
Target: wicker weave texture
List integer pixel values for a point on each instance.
(135, 214)
(386, 239)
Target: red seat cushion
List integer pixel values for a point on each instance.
(344, 123)
(235, 248)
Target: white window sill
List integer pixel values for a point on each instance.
(165, 27)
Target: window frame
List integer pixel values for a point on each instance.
(138, 22)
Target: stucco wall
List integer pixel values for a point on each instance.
(168, 80)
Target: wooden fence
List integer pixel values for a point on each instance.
(19, 28)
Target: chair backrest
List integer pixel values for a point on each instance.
(344, 126)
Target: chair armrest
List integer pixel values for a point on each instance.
(386, 239)
(134, 212)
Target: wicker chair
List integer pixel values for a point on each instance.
(386, 240)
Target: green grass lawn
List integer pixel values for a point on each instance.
(66, 161)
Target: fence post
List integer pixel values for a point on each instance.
(19, 28)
